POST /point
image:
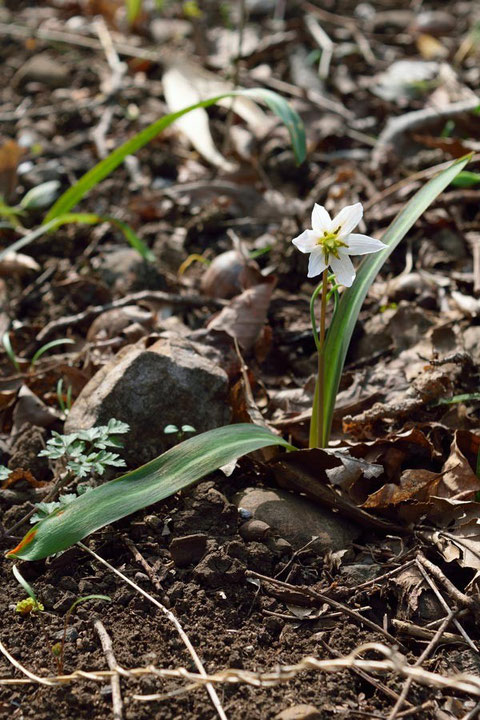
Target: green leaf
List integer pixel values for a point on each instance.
(85, 219)
(99, 172)
(174, 470)
(341, 329)
(466, 179)
(133, 10)
(48, 346)
(40, 196)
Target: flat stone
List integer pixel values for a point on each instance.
(298, 520)
(299, 712)
(168, 383)
(45, 69)
(188, 550)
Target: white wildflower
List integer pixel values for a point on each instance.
(330, 242)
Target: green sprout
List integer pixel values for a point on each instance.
(7, 345)
(65, 403)
(58, 649)
(30, 604)
(179, 432)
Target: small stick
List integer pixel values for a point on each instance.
(117, 703)
(324, 42)
(428, 650)
(91, 313)
(193, 653)
(460, 598)
(141, 560)
(315, 595)
(365, 676)
(19, 666)
(446, 606)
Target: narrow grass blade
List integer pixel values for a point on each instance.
(176, 469)
(82, 219)
(341, 329)
(48, 346)
(275, 102)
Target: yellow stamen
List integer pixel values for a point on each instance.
(330, 244)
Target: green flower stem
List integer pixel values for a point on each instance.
(317, 422)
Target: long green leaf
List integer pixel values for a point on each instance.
(275, 102)
(341, 329)
(83, 219)
(174, 470)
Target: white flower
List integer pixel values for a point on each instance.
(330, 242)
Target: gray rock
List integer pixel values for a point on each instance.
(126, 271)
(299, 712)
(298, 520)
(170, 382)
(471, 341)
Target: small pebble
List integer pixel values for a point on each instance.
(254, 530)
(299, 712)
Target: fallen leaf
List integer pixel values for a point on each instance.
(245, 315)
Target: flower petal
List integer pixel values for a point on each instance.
(362, 244)
(306, 242)
(347, 219)
(316, 263)
(321, 220)
(343, 269)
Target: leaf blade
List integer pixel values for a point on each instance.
(101, 170)
(174, 470)
(341, 329)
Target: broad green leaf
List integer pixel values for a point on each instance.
(275, 102)
(174, 470)
(85, 219)
(341, 329)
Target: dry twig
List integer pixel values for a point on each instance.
(117, 703)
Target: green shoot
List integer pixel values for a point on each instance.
(59, 648)
(7, 345)
(65, 404)
(48, 346)
(31, 604)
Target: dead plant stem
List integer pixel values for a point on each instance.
(193, 653)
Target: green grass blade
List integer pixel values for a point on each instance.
(341, 329)
(48, 346)
(176, 469)
(85, 219)
(275, 102)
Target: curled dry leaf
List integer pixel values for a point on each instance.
(245, 315)
(422, 493)
(229, 274)
(30, 409)
(21, 474)
(308, 472)
(112, 323)
(17, 264)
